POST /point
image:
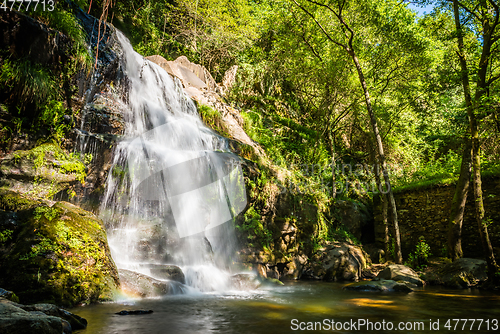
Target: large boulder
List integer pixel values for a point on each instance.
(190, 74)
(15, 320)
(339, 261)
(200, 86)
(398, 272)
(461, 273)
(144, 286)
(74, 320)
(54, 252)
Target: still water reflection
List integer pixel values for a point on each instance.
(272, 311)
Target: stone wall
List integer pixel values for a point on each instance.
(425, 212)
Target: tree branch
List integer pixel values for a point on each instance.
(320, 26)
(339, 17)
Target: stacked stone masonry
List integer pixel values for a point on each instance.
(425, 213)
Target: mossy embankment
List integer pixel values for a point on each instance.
(54, 252)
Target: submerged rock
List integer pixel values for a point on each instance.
(380, 285)
(398, 272)
(245, 282)
(55, 252)
(134, 312)
(271, 281)
(141, 285)
(461, 273)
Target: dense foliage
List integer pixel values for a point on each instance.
(297, 88)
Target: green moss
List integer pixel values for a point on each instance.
(59, 254)
(11, 201)
(213, 119)
(256, 233)
(443, 181)
(50, 155)
(5, 235)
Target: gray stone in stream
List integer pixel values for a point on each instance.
(398, 272)
(75, 321)
(252, 281)
(169, 272)
(145, 286)
(245, 281)
(15, 320)
(461, 273)
(380, 286)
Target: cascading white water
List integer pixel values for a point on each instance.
(174, 188)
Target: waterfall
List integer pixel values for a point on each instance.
(174, 187)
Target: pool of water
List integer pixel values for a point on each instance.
(317, 306)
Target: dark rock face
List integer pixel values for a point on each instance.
(30, 42)
(96, 104)
(462, 273)
(56, 252)
(9, 295)
(100, 120)
(26, 37)
(357, 219)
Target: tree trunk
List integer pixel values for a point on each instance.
(458, 204)
(380, 152)
(478, 200)
(332, 149)
(383, 199)
(473, 126)
(378, 140)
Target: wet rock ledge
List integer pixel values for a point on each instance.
(16, 318)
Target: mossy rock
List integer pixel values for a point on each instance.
(42, 171)
(57, 253)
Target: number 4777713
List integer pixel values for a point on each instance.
(471, 324)
(27, 5)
